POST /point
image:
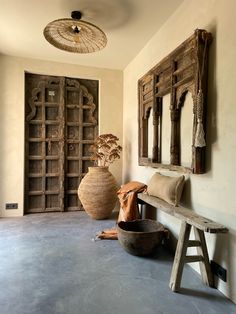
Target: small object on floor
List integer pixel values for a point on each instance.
(108, 234)
(95, 239)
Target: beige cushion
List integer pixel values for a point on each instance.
(167, 188)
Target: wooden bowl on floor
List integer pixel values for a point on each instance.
(140, 237)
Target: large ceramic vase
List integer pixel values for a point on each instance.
(97, 192)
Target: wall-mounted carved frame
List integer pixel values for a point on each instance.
(183, 70)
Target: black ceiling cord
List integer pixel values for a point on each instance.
(76, 15)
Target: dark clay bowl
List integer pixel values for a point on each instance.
(140, 237)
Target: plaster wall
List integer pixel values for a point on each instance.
(210, 194)
(12, 104)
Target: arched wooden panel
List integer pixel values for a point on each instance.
(184, 70)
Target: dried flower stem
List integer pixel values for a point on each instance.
(105, 149)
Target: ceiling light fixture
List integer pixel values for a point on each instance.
(75, 35)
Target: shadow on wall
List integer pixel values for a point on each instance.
(211, 125)
(127, 158)
(224, 245)
(3, 137)
(186, 199)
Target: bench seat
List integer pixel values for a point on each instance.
(184, 214)
(200, 225)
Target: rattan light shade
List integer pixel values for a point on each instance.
(75, 36)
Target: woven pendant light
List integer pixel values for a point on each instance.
(75, 35)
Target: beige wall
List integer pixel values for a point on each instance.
(211, 194)
(12, 118)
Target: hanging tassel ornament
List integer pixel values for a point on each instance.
(199, 140)
(200, 134)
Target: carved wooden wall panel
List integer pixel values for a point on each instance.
(184, 70)
(61, 124)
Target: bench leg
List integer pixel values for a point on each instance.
(180, 255)
(205, 267)
(181, 258)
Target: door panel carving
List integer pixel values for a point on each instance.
(61, 124)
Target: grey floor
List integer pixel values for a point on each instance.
(49, 263)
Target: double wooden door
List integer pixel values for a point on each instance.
(61, 123)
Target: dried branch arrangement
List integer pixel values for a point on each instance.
(105, 150)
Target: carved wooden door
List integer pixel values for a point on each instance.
(61, 125)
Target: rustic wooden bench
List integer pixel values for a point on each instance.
(200, 225)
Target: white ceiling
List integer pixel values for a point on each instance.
(128, 24)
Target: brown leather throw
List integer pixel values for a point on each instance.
(127, 195)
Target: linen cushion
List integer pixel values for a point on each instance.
(167, 188)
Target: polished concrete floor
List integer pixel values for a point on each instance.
(50, 263)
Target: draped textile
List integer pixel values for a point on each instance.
(127, 195)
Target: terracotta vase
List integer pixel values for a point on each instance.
(97, 192)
